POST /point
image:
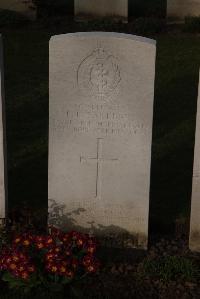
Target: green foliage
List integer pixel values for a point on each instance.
(192, 24)
(149, 26)
(8, 17)
(171, 268)
(20, 284)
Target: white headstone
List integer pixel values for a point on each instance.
(2, 141)
(100, 130)
(88, 9)
(179, 9)
(195, 209)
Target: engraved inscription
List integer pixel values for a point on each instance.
(98, 160)
(98, 74)
(100, 120)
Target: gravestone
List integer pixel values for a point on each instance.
(195, 208)
(2, 141)
(179, 9)
(100, 130)
(93, 9)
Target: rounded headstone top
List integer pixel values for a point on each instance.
(104, 35)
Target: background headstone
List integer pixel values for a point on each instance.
(195, 206)
(2, 140)
(100, 130)
(178, 9)
(91, 9)
(23, 7)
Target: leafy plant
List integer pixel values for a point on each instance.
(49, 261)
(170, 268)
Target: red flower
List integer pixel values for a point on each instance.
(17, 240)
(91, 268)
(12, 266)
(65, 238)
(2, 263)
(59, 257)
(48, 266)
(31, 268)
(87, 260)
(74, 263)
(8, 260)
(27, 239)
(49, 256)
(68, 252)
(91, 249)
(15, 257)
(62, 269)
(54, 268)
(69, 273)
(57, 249)
(22, 257)
(21, 268)
(26, 242)
(49, 241)
(25, 275)
(40, 242)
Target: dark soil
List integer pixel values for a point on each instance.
(129, 279)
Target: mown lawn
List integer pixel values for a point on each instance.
(26, 86)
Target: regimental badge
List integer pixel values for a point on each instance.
(98, 74)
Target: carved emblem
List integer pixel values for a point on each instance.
(98, 74)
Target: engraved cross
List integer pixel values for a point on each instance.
(98, 160)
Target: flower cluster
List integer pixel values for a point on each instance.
(68, 254)
(57, 254)
(16, 263)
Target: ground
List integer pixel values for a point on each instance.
(176, 85)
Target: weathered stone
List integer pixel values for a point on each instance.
(179, 9)
(195, 209)
(93, 9)
(100, 130)
(2, 140)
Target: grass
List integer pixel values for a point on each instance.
(26, 85)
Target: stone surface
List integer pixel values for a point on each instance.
(182, 8)
(100, 130)
(195, 209)
(23, 7)
(2, 141)
(88, 9)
